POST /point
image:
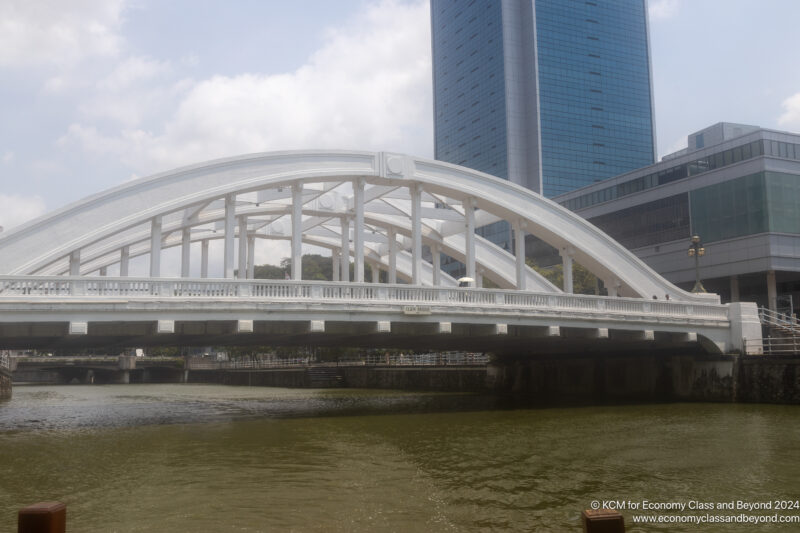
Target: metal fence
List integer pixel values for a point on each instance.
(782, 321)
(782, 345)
(427, 359)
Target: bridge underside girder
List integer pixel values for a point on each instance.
(415, 334)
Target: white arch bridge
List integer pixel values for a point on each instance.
(385, 211)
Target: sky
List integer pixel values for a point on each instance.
(97, 92)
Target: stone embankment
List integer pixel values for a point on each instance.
(5, 384)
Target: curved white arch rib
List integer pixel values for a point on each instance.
(41, 242)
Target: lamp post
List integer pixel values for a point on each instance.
(696, 250)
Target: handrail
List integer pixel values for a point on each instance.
(33, 287)
(773, 318)
(781, 345)
(427, 359)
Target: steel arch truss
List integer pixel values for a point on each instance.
(393, 212)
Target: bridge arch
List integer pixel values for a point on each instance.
(377, 207)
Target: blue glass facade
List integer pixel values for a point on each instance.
(589, 66)
(593, 116)
(469, 96)
(594, 85)
(469, 84)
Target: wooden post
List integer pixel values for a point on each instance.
(602, 521)
(43, 517)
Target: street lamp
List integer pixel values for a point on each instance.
(696, 250)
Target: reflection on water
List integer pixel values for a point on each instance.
(213, 458)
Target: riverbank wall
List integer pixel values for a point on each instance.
(591, 378)
(768, 379)
(5, 384)
(449, 379)
(613, 378)
(455, 379)
(651, 377)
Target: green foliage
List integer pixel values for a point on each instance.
(583, 281)
(164, 351)
(268, 272)
(315, 267)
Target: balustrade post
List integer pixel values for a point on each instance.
(245, 289)
(78, 287)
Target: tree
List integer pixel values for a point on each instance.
(583, 281)
(315, 267)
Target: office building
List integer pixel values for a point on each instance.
(737, 187)
(550, 94)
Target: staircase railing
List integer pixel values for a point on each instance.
(782, 321)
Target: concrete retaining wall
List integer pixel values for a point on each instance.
(467, 379)
(590, 378)
(769, 379)
(598, 378)
(289, 377)
(5, 385)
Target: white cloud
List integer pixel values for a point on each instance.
(56, 32)
(8, 157)
(663, 9)
(790, 119)
(16, 209)
(368, 87)
(134, 70)
(137, 89)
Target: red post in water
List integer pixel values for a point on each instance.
(602, 521)
(43, 517)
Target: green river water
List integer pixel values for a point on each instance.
(207, 458)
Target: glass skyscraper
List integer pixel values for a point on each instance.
(551, 94)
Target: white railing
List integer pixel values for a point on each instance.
(31, 287)
(426, 359)
(778, 320)
(781, 345)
